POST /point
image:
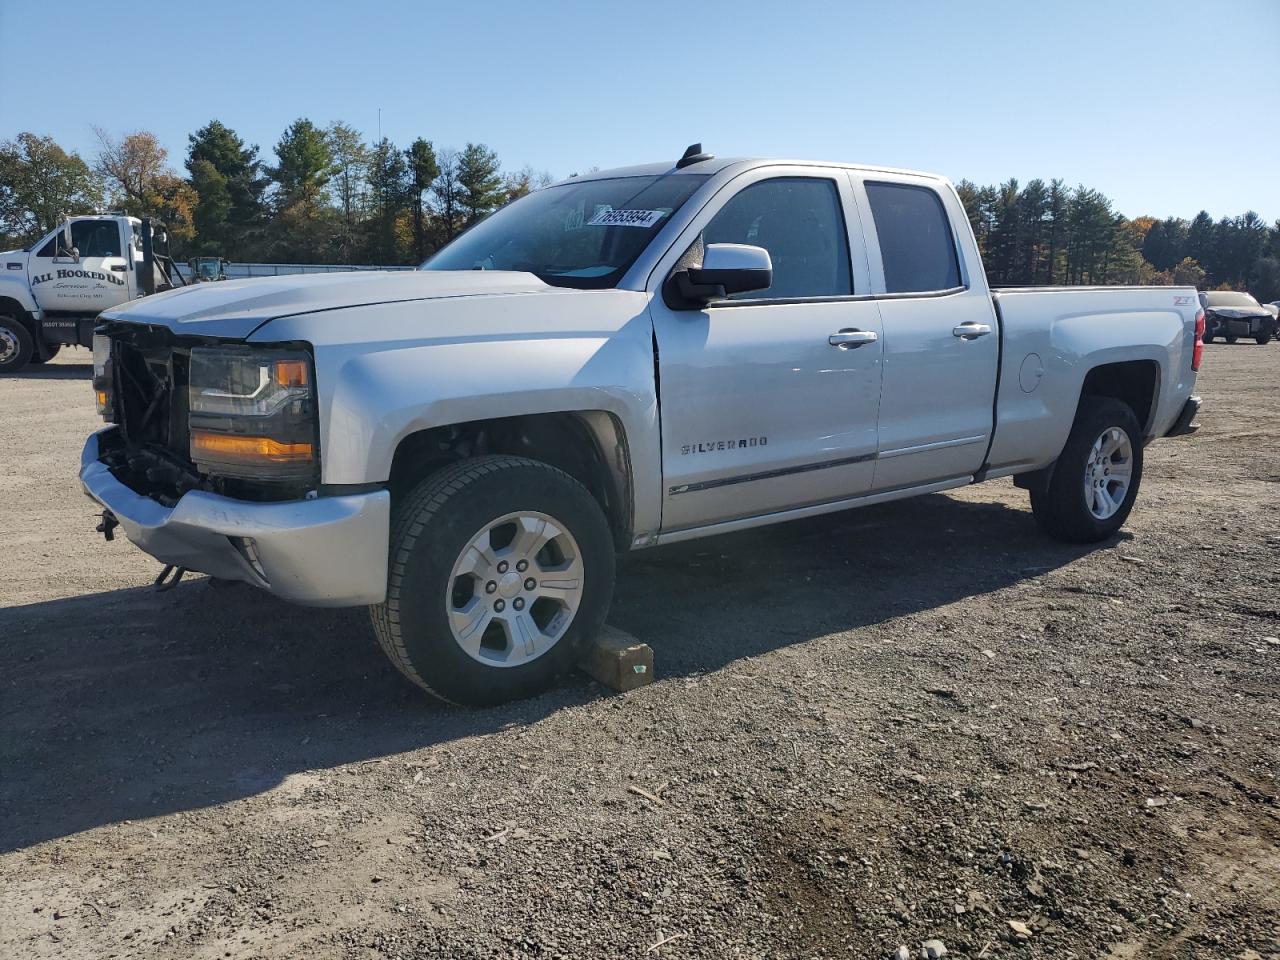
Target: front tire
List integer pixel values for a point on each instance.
(501, 570)
(15, 345)
(1097, 475)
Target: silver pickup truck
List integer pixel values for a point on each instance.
(624, 359)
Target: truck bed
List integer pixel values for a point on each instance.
(1050, 334)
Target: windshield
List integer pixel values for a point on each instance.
(575, 234)
(1224, 298)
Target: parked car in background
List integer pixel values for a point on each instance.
(1273, 308)
(1232, 315)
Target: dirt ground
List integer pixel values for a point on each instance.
(913, 721)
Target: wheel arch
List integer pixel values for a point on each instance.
(1133, 382)
(16, 309)
(589, 445)
(1136, 383)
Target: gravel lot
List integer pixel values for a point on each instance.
(914, 721)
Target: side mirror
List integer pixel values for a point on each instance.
(66, 235)
(727, 268)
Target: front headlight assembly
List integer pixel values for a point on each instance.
(252, 413)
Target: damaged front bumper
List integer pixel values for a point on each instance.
(326, 552)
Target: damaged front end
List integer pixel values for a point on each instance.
(213, 465)
(194, 414)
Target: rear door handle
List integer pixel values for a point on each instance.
(971, 331)
(851, 339)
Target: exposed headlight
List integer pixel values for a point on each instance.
(252, 413)
(102, 377)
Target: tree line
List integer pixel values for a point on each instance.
(1049, 233)
(331, 196)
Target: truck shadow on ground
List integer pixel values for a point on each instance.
(56, 371)
(132, 704)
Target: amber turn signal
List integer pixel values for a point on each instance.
(291, 373)
(208, 445)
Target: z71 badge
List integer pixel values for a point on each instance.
(714, 446)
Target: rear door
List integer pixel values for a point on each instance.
(768, 400)
(92, 279)
(940, 342)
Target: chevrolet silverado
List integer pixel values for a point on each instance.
(628, 358)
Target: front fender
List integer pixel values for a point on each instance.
(375, 400)
(385, 373)
(14, 288)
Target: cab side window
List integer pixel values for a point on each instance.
(916, 244)
(96, 238)
(799, 221)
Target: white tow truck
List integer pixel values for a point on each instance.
(52, 291)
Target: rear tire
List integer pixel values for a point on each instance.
(1263, 341)
(15, 345)
(1084, 502)
(1231, 339)
(450, 622)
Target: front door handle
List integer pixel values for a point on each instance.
(119, 267)
(851, 339)
(971, 331)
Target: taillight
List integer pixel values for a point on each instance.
(1198, 350)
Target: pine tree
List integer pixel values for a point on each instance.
(1200, 243)
(390, 189)
(304, 169)
(227, 177)
(479, 181)
(423, 170)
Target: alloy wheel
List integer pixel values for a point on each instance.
(1108, 473)
(515, 589)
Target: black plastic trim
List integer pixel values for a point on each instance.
(769, 474)
(850, 298)
(1183, 426)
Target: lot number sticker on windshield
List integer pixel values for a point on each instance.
(627, 218)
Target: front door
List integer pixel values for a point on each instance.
(90, 277)
(769, 399)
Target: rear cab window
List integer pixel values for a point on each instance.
(917, 246)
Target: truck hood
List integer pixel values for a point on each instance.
(233, 309)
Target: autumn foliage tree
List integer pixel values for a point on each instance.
(138, 179)
(40, 183)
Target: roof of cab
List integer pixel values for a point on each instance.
(717, 164)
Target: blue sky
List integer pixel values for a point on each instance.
(1167, 107)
